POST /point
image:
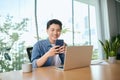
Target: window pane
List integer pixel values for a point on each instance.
(94, 37)
(81, 27)
(17, 32)
(85, 31)
(58, 9)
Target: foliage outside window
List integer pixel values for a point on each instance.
(11, 57)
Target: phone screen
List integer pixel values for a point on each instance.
(59, 42)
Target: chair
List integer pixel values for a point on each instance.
(29, 52)
(7, 56)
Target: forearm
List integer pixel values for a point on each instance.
(41, 61)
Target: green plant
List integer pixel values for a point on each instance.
(111, 47)
(112, 53)
(11, 57)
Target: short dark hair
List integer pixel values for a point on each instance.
(54, 21)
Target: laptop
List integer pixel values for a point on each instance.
(77, 57)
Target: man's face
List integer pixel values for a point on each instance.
(54, 32)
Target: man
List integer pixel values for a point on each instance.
(45, 52)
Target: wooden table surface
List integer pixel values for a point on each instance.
(93, 72)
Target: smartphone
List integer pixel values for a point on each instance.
(59, 42)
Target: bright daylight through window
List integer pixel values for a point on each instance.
(18, 30)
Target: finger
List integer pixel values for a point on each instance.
(56, 47)
(57, 52)
(62, 51)
(62, 47)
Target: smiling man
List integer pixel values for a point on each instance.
(45, 52)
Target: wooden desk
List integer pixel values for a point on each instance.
(94, 72)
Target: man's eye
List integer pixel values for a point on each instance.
(58, 30)
(52, 30)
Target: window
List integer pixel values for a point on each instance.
(16, 32)
(17, 24)
(85, 28)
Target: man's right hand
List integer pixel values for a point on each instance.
(53, 51)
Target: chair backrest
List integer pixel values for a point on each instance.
(29, 52)
(7, 56)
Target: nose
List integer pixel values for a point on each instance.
(55, 32)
